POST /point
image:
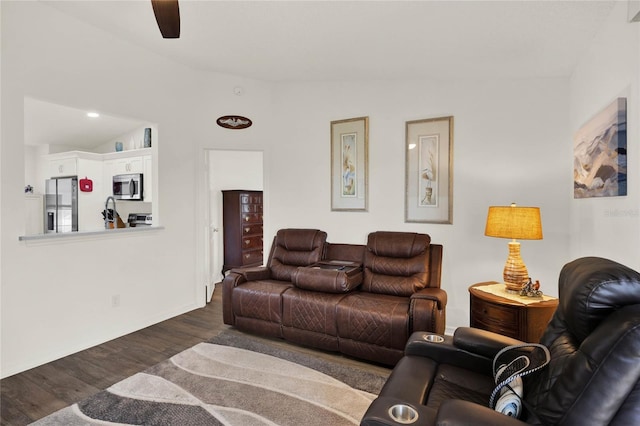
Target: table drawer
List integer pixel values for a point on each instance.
(251, 208)
(492, 312)
(252, 257)
(251, 230)
(251, 218)
(250, 199)
(496, 318)
(254, 242)
(509, 330)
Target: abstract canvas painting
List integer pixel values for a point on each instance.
(600, 154)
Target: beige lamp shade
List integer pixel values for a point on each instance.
(516, 223)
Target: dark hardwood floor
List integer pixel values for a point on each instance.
(36, 393)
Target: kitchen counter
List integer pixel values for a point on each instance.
(90, 234)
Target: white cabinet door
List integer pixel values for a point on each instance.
(34, 214)
(63, 167)
(128, 165)
(148, 179)
(108, 170)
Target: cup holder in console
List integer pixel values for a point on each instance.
(433, 338)
(403, 414)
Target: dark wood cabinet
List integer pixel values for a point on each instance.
(242, 229)
(508, 317)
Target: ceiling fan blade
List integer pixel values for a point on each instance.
(168, 17)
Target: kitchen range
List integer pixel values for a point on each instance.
(139, 219)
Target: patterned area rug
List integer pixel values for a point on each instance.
(235, 380)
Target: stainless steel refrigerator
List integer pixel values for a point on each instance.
(61, 205)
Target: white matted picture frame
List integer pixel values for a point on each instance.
(429, 170)
(349, 173)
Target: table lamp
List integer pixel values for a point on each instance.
(516, 223)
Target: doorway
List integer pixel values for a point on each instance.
(226, 170)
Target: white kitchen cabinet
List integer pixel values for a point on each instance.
(34, 214)
(148, 178)
(125, 162)
(126, 165)
(63, 166)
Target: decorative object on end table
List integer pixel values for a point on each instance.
(516, 223)
(531, 289)
(349, 175)
(429, 171)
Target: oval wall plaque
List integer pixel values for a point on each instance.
(235, 122)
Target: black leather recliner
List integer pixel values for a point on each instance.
(592, 378)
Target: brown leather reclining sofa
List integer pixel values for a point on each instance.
(363, 301)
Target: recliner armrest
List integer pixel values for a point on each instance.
(469, 348)
(253, 273)
(436, 294)
(465, 413)
(236, 277)
(481, 342)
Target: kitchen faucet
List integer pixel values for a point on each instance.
(106, 213)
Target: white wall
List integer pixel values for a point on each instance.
(57, 297)
(511, 143)
(609, 226)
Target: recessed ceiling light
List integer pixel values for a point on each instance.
(93, 114)
(412, 145)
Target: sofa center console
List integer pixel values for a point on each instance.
(338, 265)
(333, 276)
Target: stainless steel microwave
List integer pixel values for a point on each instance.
(128, 187)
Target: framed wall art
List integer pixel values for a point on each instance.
(600, 154)
(349, 174)
(429, 170)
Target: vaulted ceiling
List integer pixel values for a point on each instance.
(336, 40)
(362, 40)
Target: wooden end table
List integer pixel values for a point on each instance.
(508, 317)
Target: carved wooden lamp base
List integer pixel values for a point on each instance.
(515, 273)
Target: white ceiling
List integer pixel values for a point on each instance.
(343, 41)
(356, 40)
(47, 123)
